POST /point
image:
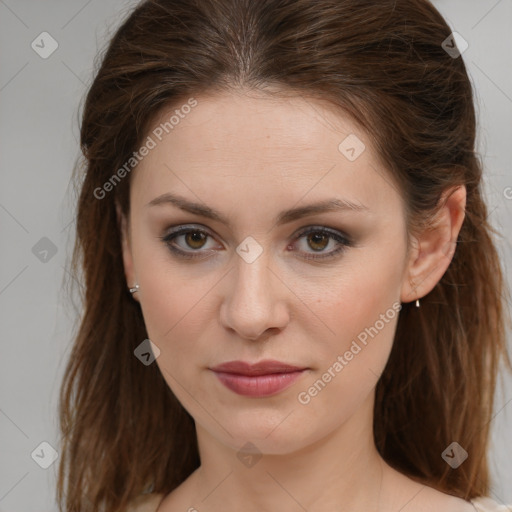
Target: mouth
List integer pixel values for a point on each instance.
(262, 379)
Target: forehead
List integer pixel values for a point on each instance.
(252, 144)
(237, 121)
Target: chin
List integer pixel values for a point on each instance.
(261, 439)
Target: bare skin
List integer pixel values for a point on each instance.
(249, 157)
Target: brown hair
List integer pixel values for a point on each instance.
(382, 63)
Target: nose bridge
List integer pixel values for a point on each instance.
(251, 305)
(252, 281)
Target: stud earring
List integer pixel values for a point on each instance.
(134, 289)
(417, 303)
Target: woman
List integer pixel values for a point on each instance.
(293, 298)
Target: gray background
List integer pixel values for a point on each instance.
(39, 105)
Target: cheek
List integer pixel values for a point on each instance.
(176, 305)
(364, 327)
(362, 310)
(173, 314)
(351, 365)
(173, 309)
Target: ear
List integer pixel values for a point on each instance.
(124, 230)
(434, 248)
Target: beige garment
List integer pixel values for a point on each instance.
(484, 504)
(150, 503)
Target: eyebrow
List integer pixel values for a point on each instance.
(329, 205)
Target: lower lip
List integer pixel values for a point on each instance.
(258, 385)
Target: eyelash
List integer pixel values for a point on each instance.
(343, 241)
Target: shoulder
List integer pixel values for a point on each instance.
(146, 503)
(484, 504)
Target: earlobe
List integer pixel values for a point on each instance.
(434, 248)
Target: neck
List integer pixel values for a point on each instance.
(341, 470)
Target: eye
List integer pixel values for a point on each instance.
(194, 239)
(316, 237)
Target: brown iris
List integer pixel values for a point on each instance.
(195, 237)
(316, 238)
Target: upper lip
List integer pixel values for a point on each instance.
(265, 367)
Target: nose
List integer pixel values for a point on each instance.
(254, 299)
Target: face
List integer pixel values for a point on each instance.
(319, 291)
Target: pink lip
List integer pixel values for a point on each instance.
(261, 379)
